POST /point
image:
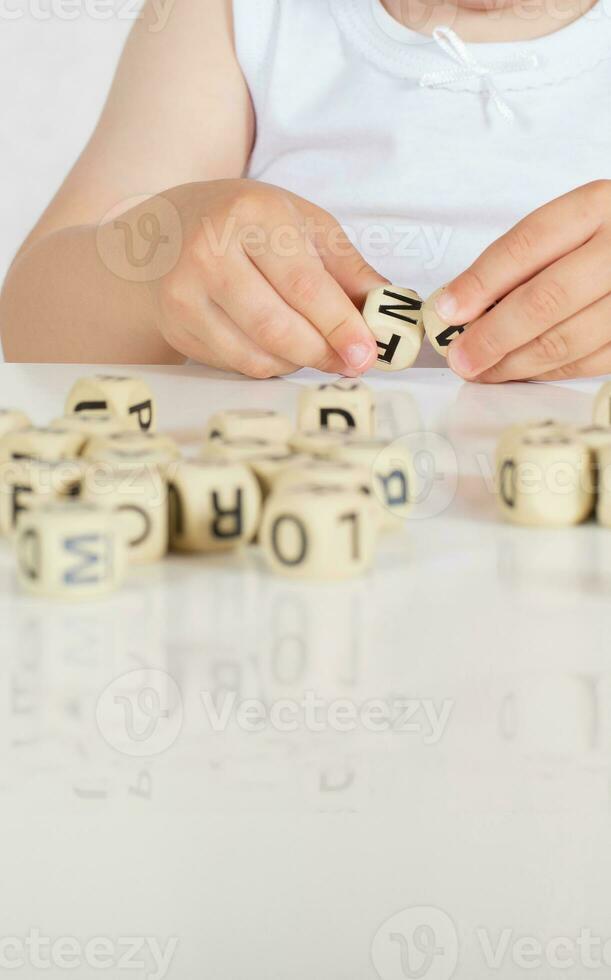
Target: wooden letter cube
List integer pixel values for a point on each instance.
(138, 497)
(391, 474)
(131, 446)
(128, 399)
(602, 405)
(89, 425)
(394, 316)
(250, 424)
(603, 510)
(320, 443)
(69, 551)
(545, 480)
(214, 505)
(28, 483)
(439, 333)
(11, 420)
(49, 445)
(324, 473)
(318, 532)
(238, 450)
(341, 406)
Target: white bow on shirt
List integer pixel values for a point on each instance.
(469, 67)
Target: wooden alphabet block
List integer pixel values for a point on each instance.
(120, 446)
(324, 473)
(69, 550)
(250, 424)
(391, 474)
(545, 480)
(49, 445)
(602, 405)
(11, 420)
(89, 425)
(440, 334)
(214, 505)
(340, 406)
(128, 399)
(29, 483)
(138, 499)
(394, 316)
(239, 450)
(320, 443)
(315, 532)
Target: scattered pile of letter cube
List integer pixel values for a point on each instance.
(99, 488)
(551, 474)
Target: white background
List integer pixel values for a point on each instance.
(54, 76)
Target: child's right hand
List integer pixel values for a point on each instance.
(265, 283)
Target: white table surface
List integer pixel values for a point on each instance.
(282, 855)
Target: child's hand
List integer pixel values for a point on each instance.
(266, 283)
(554, 271)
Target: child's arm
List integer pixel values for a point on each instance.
(552, 273)
(194, 261)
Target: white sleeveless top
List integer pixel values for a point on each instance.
(405, 145)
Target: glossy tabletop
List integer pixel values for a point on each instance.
(405, 775)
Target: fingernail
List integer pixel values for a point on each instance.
(446, 305)
(459, 362)
(357, 356)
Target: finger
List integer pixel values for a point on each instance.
(301, 279)
(255, 307)
(564, 344)
(569, 285)
(232, 350)
(340, 257)
(554, 230)
(597, 363)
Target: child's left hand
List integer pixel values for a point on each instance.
(554, 271)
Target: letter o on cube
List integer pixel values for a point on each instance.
(69, 550)
(316, 532)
